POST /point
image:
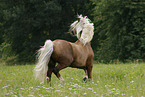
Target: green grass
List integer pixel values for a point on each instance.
(121, 80)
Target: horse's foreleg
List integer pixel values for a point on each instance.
(86, 76)
(89, 71)
(89, 66)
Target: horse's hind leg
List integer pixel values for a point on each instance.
(57, 69)
(51, 66)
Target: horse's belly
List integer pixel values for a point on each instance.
(80, 63)
(80, 60)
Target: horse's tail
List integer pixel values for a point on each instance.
(43, 58)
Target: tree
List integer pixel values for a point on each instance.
(28, 23)
(121, 29)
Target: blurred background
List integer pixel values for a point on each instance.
(26, 24)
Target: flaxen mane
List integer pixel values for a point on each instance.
(84, 33)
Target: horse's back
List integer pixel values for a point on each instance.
(62, 52)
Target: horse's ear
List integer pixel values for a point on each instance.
(79, 17)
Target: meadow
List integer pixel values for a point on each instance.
(109, 80)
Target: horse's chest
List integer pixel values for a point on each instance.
(80, 59)
(80, 55)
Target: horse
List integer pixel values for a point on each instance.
(67, 54)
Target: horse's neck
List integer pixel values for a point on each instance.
(80, 43)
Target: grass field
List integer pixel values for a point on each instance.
(110, 80)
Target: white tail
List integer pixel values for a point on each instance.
(43, 56)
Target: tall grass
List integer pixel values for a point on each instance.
(121, 80)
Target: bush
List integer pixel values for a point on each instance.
(121, 29)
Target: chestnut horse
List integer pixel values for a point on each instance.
(67, 54)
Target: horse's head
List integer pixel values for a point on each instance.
(83, 29)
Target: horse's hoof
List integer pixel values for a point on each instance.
(85, 79)
(48, 80)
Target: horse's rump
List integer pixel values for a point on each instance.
(62, 52)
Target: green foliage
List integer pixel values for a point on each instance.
(28, 23)
(120, 26)
(5, 50)
(7, 56)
